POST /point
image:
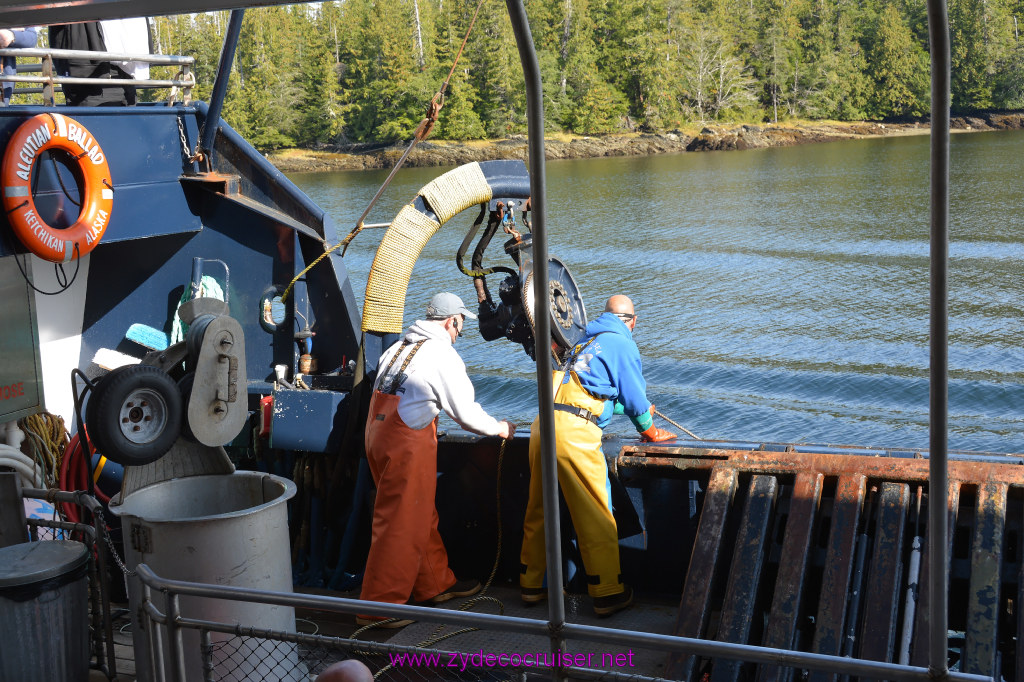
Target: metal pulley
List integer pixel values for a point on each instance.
(513, 317)
(565, 304)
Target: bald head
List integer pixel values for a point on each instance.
(349, 670)
(619, 304)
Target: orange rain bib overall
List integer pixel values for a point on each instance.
(407, 557)
(583, 478)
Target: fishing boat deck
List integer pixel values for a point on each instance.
(649, 614)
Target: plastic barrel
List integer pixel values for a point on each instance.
(44, 626)
(223, 530)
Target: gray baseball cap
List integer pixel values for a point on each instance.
(445, 305)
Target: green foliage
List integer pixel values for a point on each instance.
(1008, 90)
(899, 69)
(365, 70)
(320, 106)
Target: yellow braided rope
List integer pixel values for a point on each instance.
(447, 195)
(288, 289)
(456, 191)
(384, 303)
(47, 436)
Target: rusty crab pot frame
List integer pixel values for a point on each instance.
(823, 553)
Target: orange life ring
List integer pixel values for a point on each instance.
(33, 137)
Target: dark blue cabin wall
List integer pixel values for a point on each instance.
(259, 179)
(331, 302)
(142, 147)
(142, 281)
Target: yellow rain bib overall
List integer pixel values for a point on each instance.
(583, 477)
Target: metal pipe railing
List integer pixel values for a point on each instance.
(71, 80)
(938, 382)
(173, 589)
(41, 52)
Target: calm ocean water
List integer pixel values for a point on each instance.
(782, 293)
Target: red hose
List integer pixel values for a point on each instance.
(70, 510)
(74, 475)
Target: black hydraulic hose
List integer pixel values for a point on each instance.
(461, 253)
(481, 246)
(477, 261)
(938, 383)
(220, 85)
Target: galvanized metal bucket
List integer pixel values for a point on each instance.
(224, 530)
(44, 623)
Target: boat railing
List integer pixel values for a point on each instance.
(48, 81)
(161, 608)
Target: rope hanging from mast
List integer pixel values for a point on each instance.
(422, 131)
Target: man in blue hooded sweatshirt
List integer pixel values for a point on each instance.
(602, 374)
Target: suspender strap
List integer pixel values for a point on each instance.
(408, 358)
(578, 411)
(579, 348)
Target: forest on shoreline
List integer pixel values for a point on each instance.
(563, 146)
(331, 75)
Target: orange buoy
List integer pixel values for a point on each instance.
(36, 135)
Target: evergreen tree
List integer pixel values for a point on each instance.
(833, 46)
(266, 61)
(383, 85)
(632, 35)
(366, 69)
(899, 68)
(495, 72)
(459, 119)
(780, 59)
(969, 85)
(1008, 88)
(590, 104)
(320, 107)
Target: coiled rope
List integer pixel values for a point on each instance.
(47, 438)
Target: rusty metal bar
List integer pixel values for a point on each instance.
(878, 632)
(780, 463)
(745, 572)
(919, 653)
(694, 605)
(984, 598)
(835, 584)
(782, 621)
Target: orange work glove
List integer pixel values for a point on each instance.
(655, 435)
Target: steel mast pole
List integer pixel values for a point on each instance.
(938, 408)
(542, 321)
(220, 85)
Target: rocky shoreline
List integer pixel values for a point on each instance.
(711, 138)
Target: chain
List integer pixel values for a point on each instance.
(184, 144)
(113, 550)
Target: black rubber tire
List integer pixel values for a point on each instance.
(185, 389)
(134, 414)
